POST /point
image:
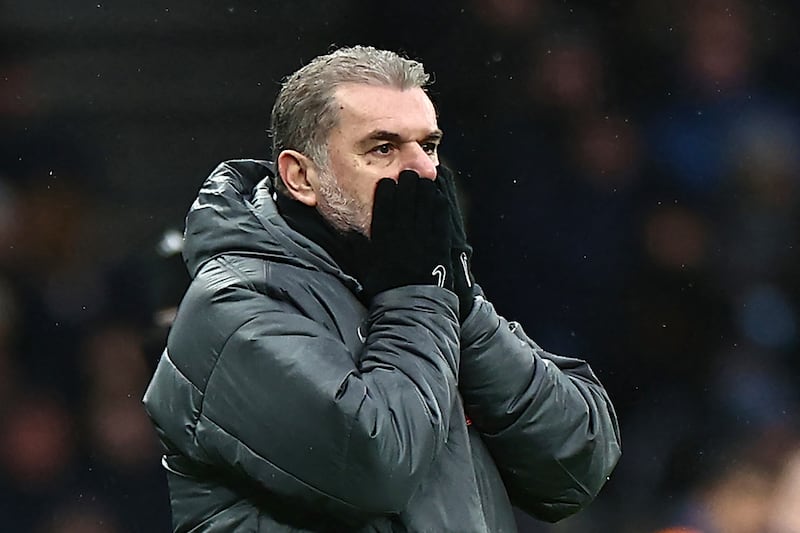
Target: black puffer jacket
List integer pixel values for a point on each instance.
(286, 405)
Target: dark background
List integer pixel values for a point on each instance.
(630, 172)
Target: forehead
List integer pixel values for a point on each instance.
(367, 107)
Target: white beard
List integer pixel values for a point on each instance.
(339, 208)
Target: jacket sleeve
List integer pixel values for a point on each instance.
(287, 407)
(546, 419)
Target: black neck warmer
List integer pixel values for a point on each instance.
(344, 248)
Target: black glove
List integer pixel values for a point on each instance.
(410, 237)
(461, 251)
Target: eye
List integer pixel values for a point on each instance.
(383, 149)
(430, 147)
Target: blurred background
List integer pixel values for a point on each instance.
(630, 170)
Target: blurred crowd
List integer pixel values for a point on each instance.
(630, 173)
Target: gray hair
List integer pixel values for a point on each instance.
(305, 110)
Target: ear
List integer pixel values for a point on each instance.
(298, 172)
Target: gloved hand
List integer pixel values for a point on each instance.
(461, 251)
(410, 237)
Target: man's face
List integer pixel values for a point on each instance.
(381, 132)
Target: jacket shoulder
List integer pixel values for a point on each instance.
(231, 289)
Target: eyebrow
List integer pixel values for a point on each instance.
(384, 135)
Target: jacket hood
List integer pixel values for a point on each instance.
(235, 213)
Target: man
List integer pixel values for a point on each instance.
(332, 366)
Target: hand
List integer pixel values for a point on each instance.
(410, 237)
(461, 251)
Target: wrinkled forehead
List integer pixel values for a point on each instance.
(367, 107)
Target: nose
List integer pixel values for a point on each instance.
(418, 160)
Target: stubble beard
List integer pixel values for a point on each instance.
(341, 209)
